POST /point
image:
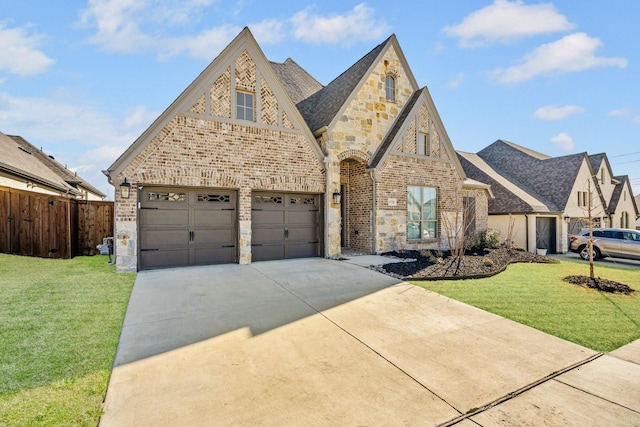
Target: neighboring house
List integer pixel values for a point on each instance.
(541, 200)
(257, 160)
(25, 167)
(622, 209)
(637, 200)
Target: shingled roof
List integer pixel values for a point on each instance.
(508, 197)
(547, 179)
(298, 83)
(617, 193)
(20, 158)
(320, 108)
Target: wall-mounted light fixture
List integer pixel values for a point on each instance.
(567, 219)
(337, 197)
(125, 189)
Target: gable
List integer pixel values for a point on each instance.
(419, 117)
(367, 116)
(241, 67)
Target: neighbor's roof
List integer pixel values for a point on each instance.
(617, 193)
(22, 159)
(549, 179)
(508, 197)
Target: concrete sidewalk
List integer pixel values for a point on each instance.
(321, 342)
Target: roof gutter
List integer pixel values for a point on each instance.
(318, 133)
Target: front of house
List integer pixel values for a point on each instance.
(258, 161)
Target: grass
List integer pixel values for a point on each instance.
(535, 295)
(61, 322)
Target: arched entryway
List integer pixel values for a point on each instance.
(356, 206)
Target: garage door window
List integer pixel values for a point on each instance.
(167, 196)
(214, 198)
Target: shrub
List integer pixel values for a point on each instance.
(486, 239)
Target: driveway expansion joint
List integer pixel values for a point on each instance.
(519, 391)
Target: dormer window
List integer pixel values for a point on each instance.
(390, 88)
(244, 106)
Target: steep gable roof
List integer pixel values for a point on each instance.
(298, 83)
(508, 197)
(243, 41)
(409, 111)
(21, 158)
(550, 179)
(322, 108)
(617, 193)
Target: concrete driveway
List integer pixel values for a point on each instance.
(321, 342)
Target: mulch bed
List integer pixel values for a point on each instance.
(600, 284)
(434, 265)
(438, 266)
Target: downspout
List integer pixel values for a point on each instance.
(327, 201)
(374, 237)
(526, 230)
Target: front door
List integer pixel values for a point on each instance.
(546, 234)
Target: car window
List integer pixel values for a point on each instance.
(598, 233)
(632, 236)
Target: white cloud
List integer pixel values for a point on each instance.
(575, 52)
(20, 52)
(553, 112)
(636, 119)
(620, 112)
(456, 81)
(357, 25)
(97, 137)
(505, 21)
(563, 141)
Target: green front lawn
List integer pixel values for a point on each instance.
(535, 295)
(61, 322)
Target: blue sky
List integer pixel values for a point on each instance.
(83, 79)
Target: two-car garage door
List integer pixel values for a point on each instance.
(184, 226)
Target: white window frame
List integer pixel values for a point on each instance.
(422, 225)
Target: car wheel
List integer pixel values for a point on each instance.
(584, 253)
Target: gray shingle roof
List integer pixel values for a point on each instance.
(298, 83)
(320, 108)
(504, 201)
(550, 180)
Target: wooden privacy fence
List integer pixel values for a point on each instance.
(42, 225)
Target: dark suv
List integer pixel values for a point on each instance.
(607, 242)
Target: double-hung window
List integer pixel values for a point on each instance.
(422, 213)
(244, 106)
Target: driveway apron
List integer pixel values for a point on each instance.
(322, 342)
